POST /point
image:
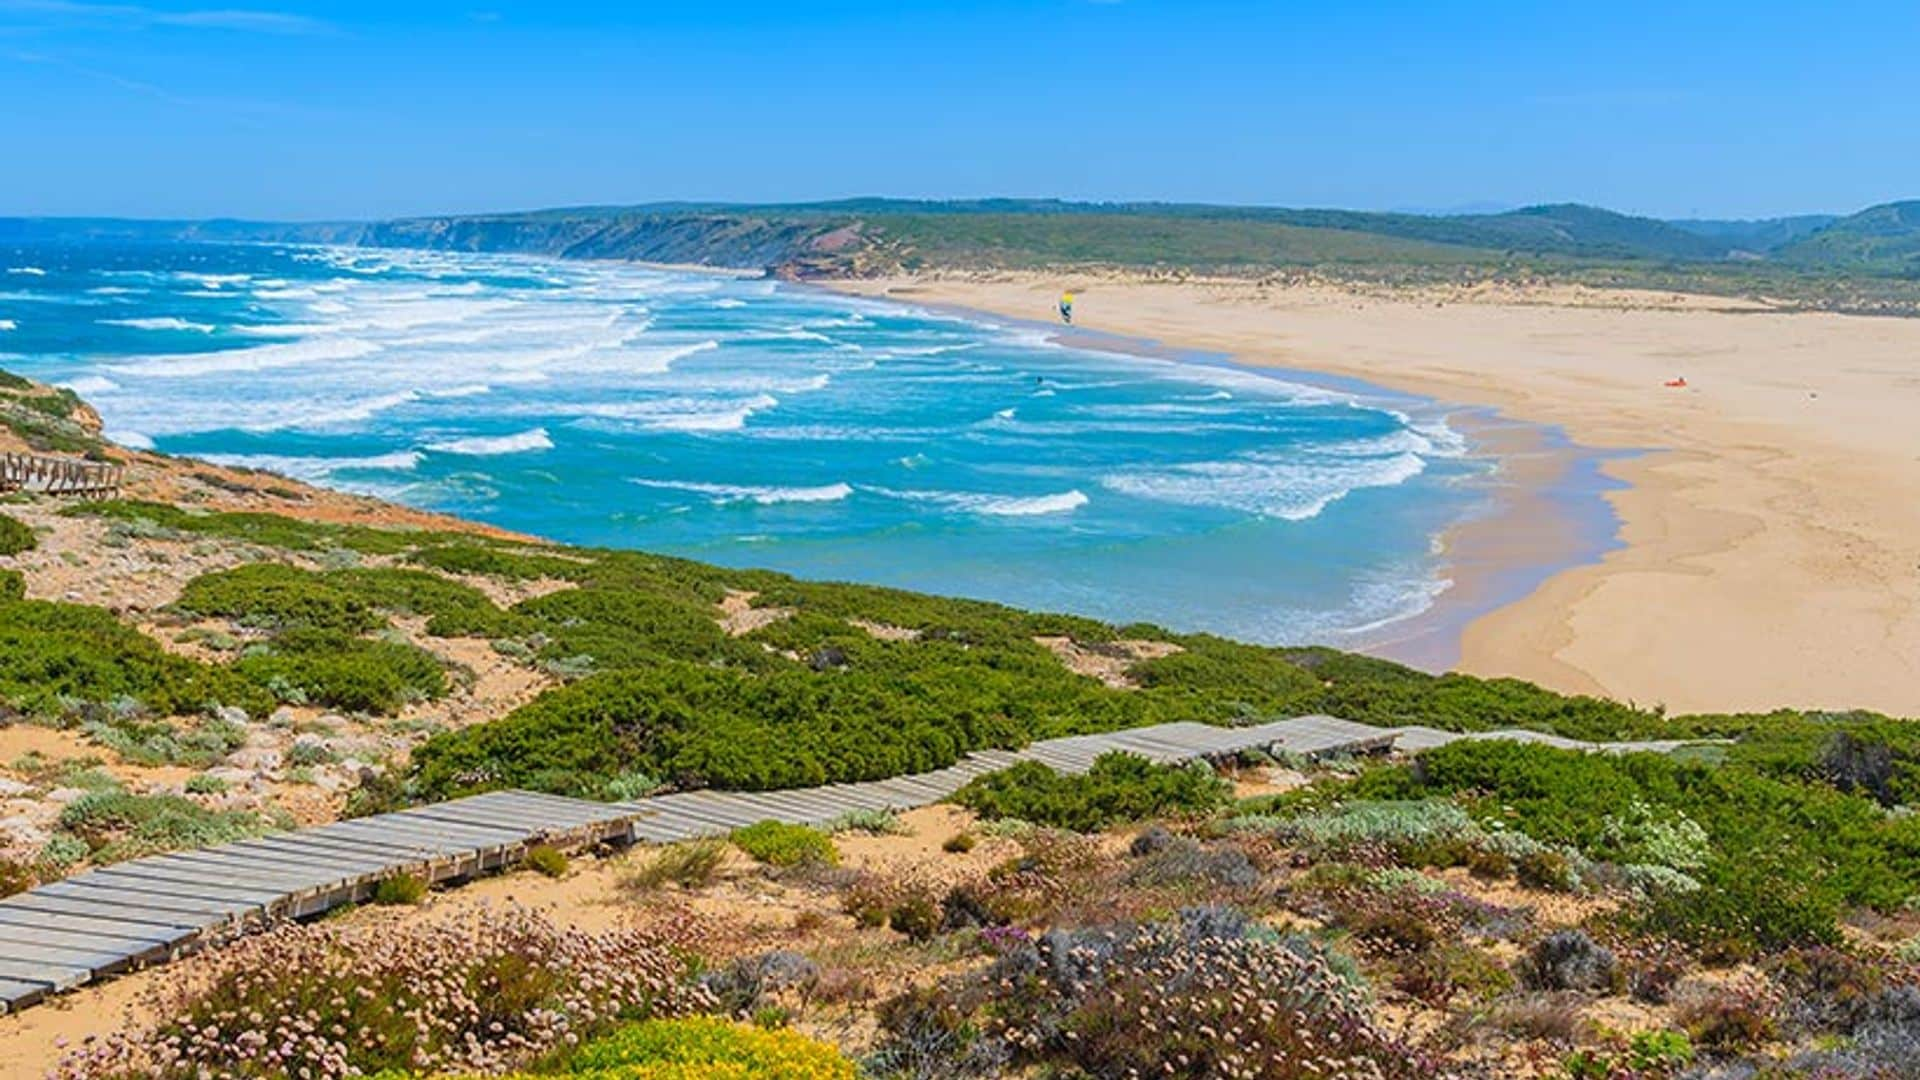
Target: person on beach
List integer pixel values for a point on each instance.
(1066, 308)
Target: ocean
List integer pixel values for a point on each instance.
(754, 423)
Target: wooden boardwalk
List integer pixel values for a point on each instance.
(146, 911)
(59, 476)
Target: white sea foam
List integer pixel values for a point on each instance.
(995, 505)
(491, 445)
(9, 324)
(765, 495)
(463, 390)
(164, 322)
(258, 358)
(285, 329)
(115, 290)
(682, 413)
(214, 281)
(299, 415)
(1292, 487)
(1400, 599)
(315, 470)
(27, 271)
(91, 384)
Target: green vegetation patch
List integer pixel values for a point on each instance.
(702, 1048)
(777, 843)
(117, 825)
(267, 530)
(1119, 788)
(16, 536)
(1777, 861)
(279, 597)
(60, 655)
(339, 671)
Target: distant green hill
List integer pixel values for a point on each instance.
(1881, 239)
(1757, 236)
(1866, 262)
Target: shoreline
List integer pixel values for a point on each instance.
(1545, 513)
(1765, 509)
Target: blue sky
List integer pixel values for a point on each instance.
(377, 109)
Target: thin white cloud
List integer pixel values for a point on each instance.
(131, 15)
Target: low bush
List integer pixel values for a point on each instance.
(1119, 788)
(267, 530)
(484, 990)
(13, 586)
(279, 597)
(16, 877)
(690, 865)
(871, 822)
(1569, 960)
(337, 671)
(1780, 861)
(118, 825)
(547, 859)
(400, 890)
(779, 844)
(143, 741)
(1151, 1000)
(703, 1048)
(205, 784)
(58, 655)
(751, 983)
(959, 843)
(453, 609)
(468, 556)
(16, 536)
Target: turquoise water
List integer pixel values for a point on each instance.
(756, 424)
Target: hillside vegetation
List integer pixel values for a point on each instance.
(1865, 262)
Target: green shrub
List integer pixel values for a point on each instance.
(917, 916)
(160, 742)
(16, 536)
(871, 822)
(279, 597)
(13, 586)
(400, 890)
(61, 654)
(959, 843)
(118, 825)
(267, 530)
(689, 865)
(547, 859)
(338, 671)
(205, 784)
(779, 844)
(704, 1048)
(453, 609)
(466, 556)
(1783, 859)
(1119, 788)
(16, 877)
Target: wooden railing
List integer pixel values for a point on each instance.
(60, 476)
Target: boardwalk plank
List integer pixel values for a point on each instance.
(58, 935)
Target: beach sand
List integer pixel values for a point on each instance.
(1770, 523)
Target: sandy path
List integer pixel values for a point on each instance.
(1772, 536)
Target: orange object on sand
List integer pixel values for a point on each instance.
(1681, 381)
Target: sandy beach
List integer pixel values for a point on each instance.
(1771, 506)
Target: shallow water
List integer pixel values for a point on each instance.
(755, 424)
